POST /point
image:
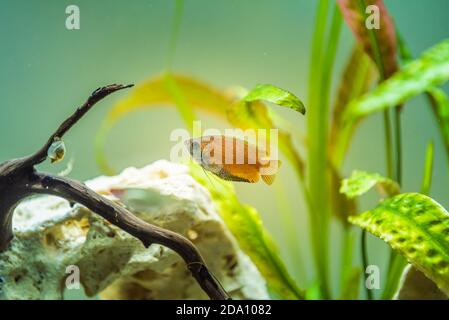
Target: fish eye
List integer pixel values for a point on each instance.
(195, 145)
(192, 146)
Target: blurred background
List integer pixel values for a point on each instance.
(46, 71)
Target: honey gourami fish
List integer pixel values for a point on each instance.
(233, 159)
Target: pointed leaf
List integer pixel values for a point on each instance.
(418, 227)
(430, 70)
(437, 98)
(361, 182)
(281, 97)
(180, 100)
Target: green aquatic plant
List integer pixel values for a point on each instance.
(416, 77)
(380, 76)
(243, 221)
(418, 227)
(270, 93)
(361, 182)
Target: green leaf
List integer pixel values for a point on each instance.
(437, 98)
(378, 43)
(281, 97)
(361, 182)
(180, 101)
(430, 70)
(246, 225)
(428, 169)
(418, 227)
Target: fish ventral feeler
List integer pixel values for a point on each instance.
(233, 159)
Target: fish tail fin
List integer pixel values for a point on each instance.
(270, 171)
(271, 167)
(268, 179)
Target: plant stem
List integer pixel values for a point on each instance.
(291, 234)
(328, 63)
(185, 110)
(176, 25)
(346, 259)
(428, 169)
(317, 133)
(364, 247)
(398, 137)
(388, 145)
(395, 268)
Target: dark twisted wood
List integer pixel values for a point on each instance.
(19, 180)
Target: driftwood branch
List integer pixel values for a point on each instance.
(19, 179)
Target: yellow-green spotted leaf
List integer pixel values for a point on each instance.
(416, 226)
(245, 224)
(273, 94)
(361, 182)
(432, 69)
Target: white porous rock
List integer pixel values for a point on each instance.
(51, 235)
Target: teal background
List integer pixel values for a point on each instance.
(46, 71)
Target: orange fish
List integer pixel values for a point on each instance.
(233, 159)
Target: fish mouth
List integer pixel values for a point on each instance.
(189, 146)
(188, 143)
